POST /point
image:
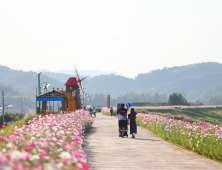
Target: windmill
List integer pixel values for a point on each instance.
(80, 80)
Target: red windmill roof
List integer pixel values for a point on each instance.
(72, 82)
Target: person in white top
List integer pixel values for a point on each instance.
(94, 111)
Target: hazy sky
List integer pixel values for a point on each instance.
(126, 36)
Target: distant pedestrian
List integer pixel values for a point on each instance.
(111, 111)
(132, 119)
(94, 111)
(90, 110)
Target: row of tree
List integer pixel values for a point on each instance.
(215, 100)
(101, 99)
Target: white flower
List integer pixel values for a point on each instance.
(46, 157)
(60, 149)
(61, 131)
(55, 129)
(79, 165)
(54, 139)
(38, 135)
(7, 167)
(33, 138)
(65, 155)
(60, 165)
(34, 157)
(48, 166)
(34, 150)
(3, 150)
(9, 145)
(15, 154)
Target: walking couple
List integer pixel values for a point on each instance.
(122, 114)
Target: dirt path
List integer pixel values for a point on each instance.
(106, 150)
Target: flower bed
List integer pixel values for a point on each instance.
(203, 138)
(176, 106)
(50, 142)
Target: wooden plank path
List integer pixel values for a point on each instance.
(106, 151)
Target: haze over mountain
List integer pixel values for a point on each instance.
(196, 81)
(92, 73)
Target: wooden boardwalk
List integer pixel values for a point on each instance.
(105, 150)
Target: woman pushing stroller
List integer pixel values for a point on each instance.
(122, 114)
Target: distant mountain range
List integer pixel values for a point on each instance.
(196, 81)
(92, 73)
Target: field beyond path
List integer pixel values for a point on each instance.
(105, 150)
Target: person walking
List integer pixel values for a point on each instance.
(132, 119)
(90, 111)
(122, 115)
(94, 111)
(111, 111)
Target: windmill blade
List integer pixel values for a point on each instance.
(77, 73)
(84, 78)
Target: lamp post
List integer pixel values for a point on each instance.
(3, 109)
(85, 98)
(21, 104)
(38, 107)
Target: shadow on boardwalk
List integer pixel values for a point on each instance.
(145, 139)
(105, 150)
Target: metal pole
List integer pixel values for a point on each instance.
(21, 105)
(3, 104)
(83, 98)
(39, 91)
(36, 103)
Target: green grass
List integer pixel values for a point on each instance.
(9, 129)
(212, 115)
(109, 114)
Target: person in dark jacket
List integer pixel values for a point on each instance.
(132, 119)
(122, 115)
(90, 111)
(111, 111)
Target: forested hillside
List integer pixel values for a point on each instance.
(196, 81)
(193, 80)
(24, 82)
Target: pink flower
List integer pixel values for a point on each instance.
(33, 144)
(20, 123)
(27, 149)
(85, 165)
(44, 153)
(3, 126)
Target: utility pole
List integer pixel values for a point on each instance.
(21, 104)
(3, 108)
(38, 106)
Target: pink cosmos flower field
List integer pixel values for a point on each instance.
(51, 142)
(203, 138)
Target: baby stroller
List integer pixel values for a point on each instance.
(126, 129)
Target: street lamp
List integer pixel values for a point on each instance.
(21, 103)
(85, 98)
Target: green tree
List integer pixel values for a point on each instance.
(177, 99)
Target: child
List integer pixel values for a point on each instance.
(133, 126)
